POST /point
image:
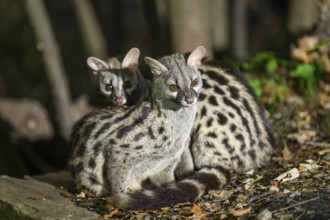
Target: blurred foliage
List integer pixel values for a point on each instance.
(277, 77)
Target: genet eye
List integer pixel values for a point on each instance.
(173, 87)
(108, 87)
(194, 82)
(127, 84)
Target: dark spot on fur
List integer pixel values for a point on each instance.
(233, 128)
(81, 150)
(138, 147)
(234, 92)
(203, 111)
(218, 77)
(88, 129)
(209, 145)
(157, 146)
(249, 109)
(165, 138)
(218, 90)
(213, 100)
(230, 149)
(126, 115)
(91, 163)
(161, 130)
(93, 180)
(201, 97)
(97, 148)
(252, 154)
(112, 142)
(240, 138)
(124, 131)
(212, 134)
(151, 133)
(262, 145)
(206, 85)
(222, 119)
(217, 153)
(104, 127)
(124, 146)
(209, 122)
(145, 111)
(198, 128)
(138, 136)
(139, 120)
(239, 112)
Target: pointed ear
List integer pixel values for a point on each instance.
(156, 67)
(131, 60)
(96, 64)
(195, 58)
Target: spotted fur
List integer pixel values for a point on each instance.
(117, 149)
(230, 134)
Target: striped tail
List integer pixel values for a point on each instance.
(186, 190)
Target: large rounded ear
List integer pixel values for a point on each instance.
(96, 64)
(156, 67)
(131, 60)
(195, 58)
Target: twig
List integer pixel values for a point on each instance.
(91, 31)
(317, 46)
(318, 144)
(294, 205)
(55, 70)
(257, 197)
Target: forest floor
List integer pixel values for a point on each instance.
(302, 192)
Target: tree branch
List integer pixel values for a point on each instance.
(55, 71)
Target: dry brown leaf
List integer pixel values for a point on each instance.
(198, 211)
(286, 153)
(66, 194)
(109, 206)
(239, 212)
(323, 152)
(111, 214)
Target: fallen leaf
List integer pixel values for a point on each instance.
(287, 155)
(274, 188)
(240, 212)
(288, 176)
(81, 195)
(65, 194)
(310, 167)
(265, 215)
(111, 214)
(198, 211)
(324, 151)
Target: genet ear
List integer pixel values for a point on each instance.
(96, 64)
(195, 58)
(131, 60)
(156, 67)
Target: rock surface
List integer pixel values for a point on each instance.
(30, 198)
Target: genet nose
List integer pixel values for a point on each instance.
(190, 99)
(120, 100)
